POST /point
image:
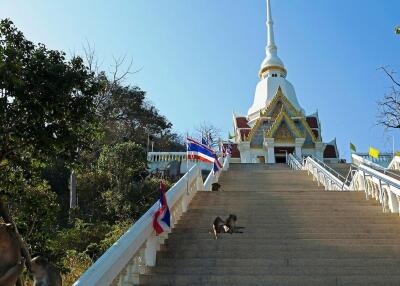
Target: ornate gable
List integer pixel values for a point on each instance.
(276, 122)
(282, 126)
(278, 102)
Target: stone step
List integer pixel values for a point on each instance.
(283, 261)
(192, 219)
(229, 241)
(273, 251)
(282, 210)
(285, 280)
(289, 235)
(272, 270)
(248, 231)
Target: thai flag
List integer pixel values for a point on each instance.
(217, 164)
(196, 150)
(229, 150)
(162, 217)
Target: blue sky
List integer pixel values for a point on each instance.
(199, 60)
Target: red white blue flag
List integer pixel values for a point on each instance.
(217, 165)
(162, 218)
(198, 151)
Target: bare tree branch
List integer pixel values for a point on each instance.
(117, 75)
(390, 74)
(205, 129)
(389, 107)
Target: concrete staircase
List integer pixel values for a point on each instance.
(295, 234)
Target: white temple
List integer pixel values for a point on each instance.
(276, 124)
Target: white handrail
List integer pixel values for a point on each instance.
(323, 176)
(368, 178)
(379, 186)
(362, 161)
(136, 250)
(358, 160)
(329, 169)
(213, 178)
(395, 163)
(294, 163)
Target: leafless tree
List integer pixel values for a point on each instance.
(121, 69)
(389, 107)
(208, 129)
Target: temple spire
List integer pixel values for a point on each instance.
(271, 47)
(271, 61)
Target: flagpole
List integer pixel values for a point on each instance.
(187, 164)
(393, 144)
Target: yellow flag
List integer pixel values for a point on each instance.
(374, 153)
(397, 154)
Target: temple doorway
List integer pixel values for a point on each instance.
(281, 154)
(280, 159)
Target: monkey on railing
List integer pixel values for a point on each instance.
(11, 262)
(14, 254)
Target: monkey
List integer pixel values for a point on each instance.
(231, 223)
(215, 187)
(45, 273)
(227, 226)
(218, 226)
(11, 261)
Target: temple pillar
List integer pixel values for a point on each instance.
(245, 154)
(298, 145)
(319, 150)
(269, 144)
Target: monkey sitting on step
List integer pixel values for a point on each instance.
(227, 226)
(44, 273)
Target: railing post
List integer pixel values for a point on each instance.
(151, 251)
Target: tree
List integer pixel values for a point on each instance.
(212, 132)
(124, 111)
(389, 107)
(46, 112)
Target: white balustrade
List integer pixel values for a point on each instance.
(377, 185)
(166, 156)
(294, 163)
(136, 250)
(395, 163)
(160, 161)
(377, 182)
(383, 159)
(325, 176)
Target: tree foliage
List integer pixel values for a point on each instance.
(58, 113)
(46, 101)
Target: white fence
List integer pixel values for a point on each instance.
(377, 182)
(136, 250)
(294, 162)
(395, 164)
(383, 159)
(321, 173)
(377, 185)
(161, 160)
